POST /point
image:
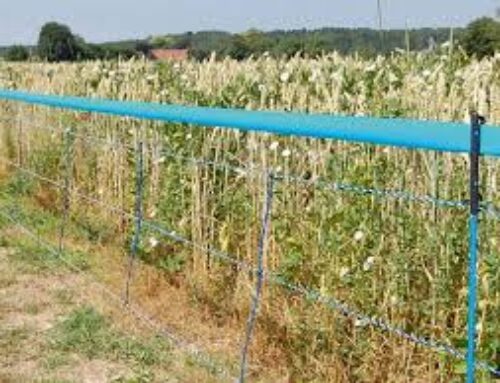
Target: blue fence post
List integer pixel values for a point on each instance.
(475, 149)
(138, 213)
(264, 234)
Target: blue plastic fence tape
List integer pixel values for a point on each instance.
(432, 135)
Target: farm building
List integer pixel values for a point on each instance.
(168, 54)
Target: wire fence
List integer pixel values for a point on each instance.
(260, 275)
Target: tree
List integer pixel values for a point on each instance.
(482, 37)
(143, 47)
(238, 49)
(56, 42)
(17, 53)
(256, 41)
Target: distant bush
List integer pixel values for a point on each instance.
(17, 53)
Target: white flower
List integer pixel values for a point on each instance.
(285, 76)
(392, 78)
(153, 242)
(315, 75)
(286, 153)
(189, 136)
(371, 68)
(160, 160)
(479, 327)
(426, 73)
(394, 300)
(361, 322)
(240, 172)
(274, 145)
(358, 235)
(368, 263)
(343, 272)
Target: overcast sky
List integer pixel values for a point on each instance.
(104, 20)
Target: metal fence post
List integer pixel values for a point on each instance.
(475, 150)
(138, 214)
(264, 234)
(68, 140)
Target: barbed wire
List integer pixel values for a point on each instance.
(317, 182)
(276, 279)
(379, 193)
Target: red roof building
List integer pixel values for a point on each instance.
(169, 54)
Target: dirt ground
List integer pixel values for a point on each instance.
(34, 305)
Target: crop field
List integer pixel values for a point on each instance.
(358, 223)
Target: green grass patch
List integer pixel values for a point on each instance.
(87, 332)
(32, 256)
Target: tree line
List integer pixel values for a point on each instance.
(57, 42)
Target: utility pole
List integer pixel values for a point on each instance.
(452, 40)
(407, 38)
(380, 24)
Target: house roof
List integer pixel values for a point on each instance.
(169, 54)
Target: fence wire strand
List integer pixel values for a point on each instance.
(274, 278)
(488, 208)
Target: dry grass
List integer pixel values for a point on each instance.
(34, 304)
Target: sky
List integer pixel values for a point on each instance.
(106, 20)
